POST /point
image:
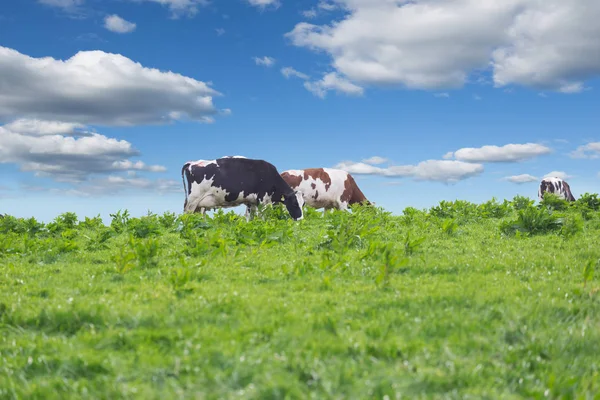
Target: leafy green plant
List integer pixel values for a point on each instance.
(389, 262)
(533, 220)
(410, 245)
(588, 271)
(553, 202)
(572, 225)
(521, 202)
(590, 200)
(449, 226)
(145, 226)
(493, 209)
(119, 221)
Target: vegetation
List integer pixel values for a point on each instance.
(497, 300)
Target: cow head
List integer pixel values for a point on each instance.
(294, 202)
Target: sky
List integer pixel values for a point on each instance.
(103, 101)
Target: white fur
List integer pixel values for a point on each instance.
(331, 198)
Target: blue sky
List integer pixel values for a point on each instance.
(101, 102)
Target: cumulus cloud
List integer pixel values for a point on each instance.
(506, 153)
(558, 174)
(590, 150)
(180, 8)
(548, 45)
(520, 179)
(375, 160)
(68, 158)
(94, 87)
(264, 61)
(38, 127)
(116, 24)
(447, 171)
(332, 81)
(289, 72)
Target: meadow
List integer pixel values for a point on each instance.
(480, 301)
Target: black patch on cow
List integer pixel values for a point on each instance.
(237, 175)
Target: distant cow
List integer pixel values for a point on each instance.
(233, 181)
(557, 186)
(325, 187)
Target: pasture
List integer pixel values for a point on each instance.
(480, 301)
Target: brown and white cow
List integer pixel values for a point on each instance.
(557, 186)
(325, 187)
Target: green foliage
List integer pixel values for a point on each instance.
(590, 200)
(552, 202)
(521, 202)
(358, 304)
(533, 221)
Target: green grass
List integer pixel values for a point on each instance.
(490, 301)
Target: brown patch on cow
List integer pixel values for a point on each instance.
(352, 194)
(292, 180)
(313, 185)
(318, 173)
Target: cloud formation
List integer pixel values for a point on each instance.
(289, 72)
(38, 127)
(558, 174)
(520, 179)
(116, 24)
(547, 45)
(70, 158)
(265, 61)
(264, 3)
(94, 87)
(333, 82)
(446, 171)
(590, 150)
(375, 160)
(180, 8)
(497, 154)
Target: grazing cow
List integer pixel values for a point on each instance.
(233, 181)
(325, 187)
(557, 186)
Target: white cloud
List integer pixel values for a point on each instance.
(38, 127)
(67, 158)
(375, 160)
(289, 71)
(312, 13)
(549, 45)
(116, 24)
(220, 31)
(64, 4)
(266, 61)
(590, 150)
(264, 3)
(442, 95)
(327, 6)
(558, 174)
(506, 153)
(447, 171)
(94, 87)
(179, 8)
(520, 179)
(333, 81)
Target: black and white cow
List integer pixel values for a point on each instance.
(557, 186)
(233, 181)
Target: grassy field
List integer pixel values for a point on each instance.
(489, 301)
